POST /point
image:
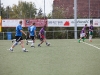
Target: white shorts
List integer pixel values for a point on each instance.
(82, 35)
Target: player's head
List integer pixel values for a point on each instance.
(20, 22)
(85, 25)
(44, 26)
(91, 24)
(33, 23)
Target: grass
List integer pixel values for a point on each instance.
(63, 57)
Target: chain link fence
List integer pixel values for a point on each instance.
(64, 34)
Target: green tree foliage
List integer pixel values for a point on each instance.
(58, 13)
(21, 11)
(3, 13)
(24, 10)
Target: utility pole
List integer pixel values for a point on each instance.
(44, 9)
(89, 9)
(0, 18)
(75, 19)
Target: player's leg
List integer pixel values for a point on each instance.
(13, 40)
(27, 39)
(84, 36)
(48, 44)
(22, 45)
(90, 36)
(33, 41)
(15, 43)
(41, 39)
(80, 38)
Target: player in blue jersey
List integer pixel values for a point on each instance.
(32, 34)
(91, 28)
(19, 38)
(42, 36)
(83, 33)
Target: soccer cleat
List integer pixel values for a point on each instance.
(48, 44)
(33, 46)
(25, 50)
(83, 40)
(39, 45)
(79, 41)
(90, 40)
(11, 50)
(12, 41)
(27, 43)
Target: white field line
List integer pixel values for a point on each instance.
(91, 45)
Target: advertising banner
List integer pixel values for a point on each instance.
(96, 22)
(11, 22)
(67, 22)
(38, 22)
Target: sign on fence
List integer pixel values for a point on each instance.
(67, 22)
(11, 22)
(38, 22)
(51, 22)
(96, 22)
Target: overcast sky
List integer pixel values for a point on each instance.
(38, 3)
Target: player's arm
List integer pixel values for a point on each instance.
(20, 28)
(23, 32)
(35, 33)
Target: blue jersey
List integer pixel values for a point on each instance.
(31, 30)
(18, 32)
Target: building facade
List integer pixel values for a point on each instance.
(85, 8)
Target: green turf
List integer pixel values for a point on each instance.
(63, 57)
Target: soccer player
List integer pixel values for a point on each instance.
(83, 33)
(32, 34)
(19, 38)
(42, 36)
(91, 28)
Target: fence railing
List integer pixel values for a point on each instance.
(63, 34)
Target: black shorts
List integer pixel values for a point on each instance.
(19, 38)
(32, 37)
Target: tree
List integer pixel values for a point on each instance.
(58, 13)
(3, 13)
(23, 10)
(49, 16)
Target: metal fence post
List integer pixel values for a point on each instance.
(67, 34)
(3, 35)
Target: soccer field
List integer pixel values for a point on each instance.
(62, 57)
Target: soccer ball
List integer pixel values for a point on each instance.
(48, 44)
